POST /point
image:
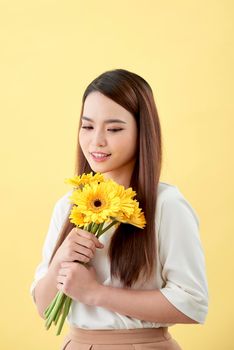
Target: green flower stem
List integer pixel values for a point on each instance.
(100, 228)
(59, 307)
(50, 307)
(106, 228)
(59, 312)
(48, 323)
(65, 313)
(89, 227)
(95, 228)
(54, 310)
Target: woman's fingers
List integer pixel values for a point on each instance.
(89, 235)
(85, 251)
(80, 258)
(80, 245)
(85, 243)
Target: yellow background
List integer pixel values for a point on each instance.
(50, 51)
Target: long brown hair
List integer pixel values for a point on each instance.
(132, 251)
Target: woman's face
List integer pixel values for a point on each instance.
(108, 138)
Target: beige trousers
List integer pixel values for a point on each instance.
(120, 339)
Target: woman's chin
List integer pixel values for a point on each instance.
(99, 168)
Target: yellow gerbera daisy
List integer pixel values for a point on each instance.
(121, 191)
(84, 179)
(76, 217)
(97, 201)
(125, 195)
(136, 219)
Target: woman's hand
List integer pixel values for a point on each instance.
(79, 245)
(79, 282)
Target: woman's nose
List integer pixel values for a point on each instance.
(99, 138)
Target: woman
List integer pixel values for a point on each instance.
(138, 282)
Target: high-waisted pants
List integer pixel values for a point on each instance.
(119, 339)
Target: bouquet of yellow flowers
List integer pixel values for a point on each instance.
(96, 201)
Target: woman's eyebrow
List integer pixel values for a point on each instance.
(106, 121)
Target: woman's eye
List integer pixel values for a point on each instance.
(114, 130)
(87, 127)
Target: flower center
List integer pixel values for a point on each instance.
(97, 203)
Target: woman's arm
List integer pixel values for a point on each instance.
(148, 305)
(46, 289)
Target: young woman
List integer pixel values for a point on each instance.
(137, 282)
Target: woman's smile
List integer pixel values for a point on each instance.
(99, 156)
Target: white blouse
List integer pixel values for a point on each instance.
(180, 273)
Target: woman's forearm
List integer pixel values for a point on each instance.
(46, 289)
(148, 305)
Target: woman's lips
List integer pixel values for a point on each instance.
(100, 157)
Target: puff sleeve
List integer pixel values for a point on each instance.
(182, 258)
(59, 213)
